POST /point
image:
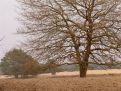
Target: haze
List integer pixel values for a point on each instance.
(8, 26)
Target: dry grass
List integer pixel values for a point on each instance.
(102, 82)
(97, 80)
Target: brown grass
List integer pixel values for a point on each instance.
(96, 83)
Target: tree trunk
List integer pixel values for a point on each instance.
(16, 76)
(24, 76)
(53, 71)
(83, 69)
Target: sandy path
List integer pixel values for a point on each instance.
(89, 72)
(75, 73)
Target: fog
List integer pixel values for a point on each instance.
(8, 26)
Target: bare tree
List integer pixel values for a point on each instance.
(73, 31)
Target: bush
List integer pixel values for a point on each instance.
(16, 62)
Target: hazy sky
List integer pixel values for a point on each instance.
(8, 26)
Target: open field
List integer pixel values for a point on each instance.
(104, 83)
(89, 73)
(65, 82)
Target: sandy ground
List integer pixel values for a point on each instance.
(5, 76)
(89, 72)
(76, 73)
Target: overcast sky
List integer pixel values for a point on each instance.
(8, 26)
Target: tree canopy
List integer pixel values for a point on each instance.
(73, 31)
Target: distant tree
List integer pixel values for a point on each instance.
(51, 65)
(16, 62)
